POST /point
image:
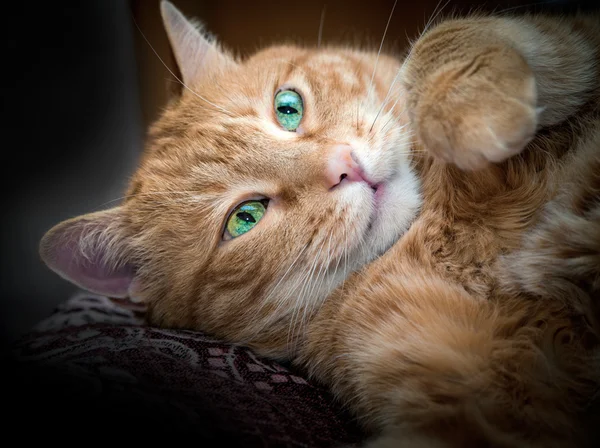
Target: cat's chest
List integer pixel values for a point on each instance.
(469, 220)
(460, 251)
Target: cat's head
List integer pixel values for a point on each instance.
(261, 189)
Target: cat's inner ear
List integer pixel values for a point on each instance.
(91, 252)
(195, 52)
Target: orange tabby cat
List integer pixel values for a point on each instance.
(422, 235)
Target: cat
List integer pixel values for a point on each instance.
(420, 234)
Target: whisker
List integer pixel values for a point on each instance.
(332, 278)
(314, 286)
(327, 264)
(175, 76)
(345, 253)
(308, 309)
(357, 75)
(380, 48)
(387, 96)
(337, 265)
(391, 115)
(314, 283)
(281, 302)
(322, 22)
(274, 290)
(300, 303)
(292, 64)
(146, 194)
(432, 18)
(287, 272)
(512, 8)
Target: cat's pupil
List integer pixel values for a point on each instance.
(245, 216)
(287, 110)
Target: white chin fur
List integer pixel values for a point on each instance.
(401, 199)
(398, 207)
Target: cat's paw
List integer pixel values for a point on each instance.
(478, 111)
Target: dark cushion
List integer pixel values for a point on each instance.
(94, 364)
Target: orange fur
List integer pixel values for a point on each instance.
(476, 325)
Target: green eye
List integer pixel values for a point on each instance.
(245, 216)
(289, 109)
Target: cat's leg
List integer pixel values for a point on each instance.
(430, 366)
(479, 88)
(560, 257)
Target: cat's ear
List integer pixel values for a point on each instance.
(91, 251)
(195, 52)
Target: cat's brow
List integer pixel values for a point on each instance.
(286, 61)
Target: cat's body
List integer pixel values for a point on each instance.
(445, 306)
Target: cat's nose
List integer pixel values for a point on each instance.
(342, 166)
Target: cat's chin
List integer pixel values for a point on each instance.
(396, 205)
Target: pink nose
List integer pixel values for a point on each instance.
(341, 166)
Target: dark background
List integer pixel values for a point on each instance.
(80, 85)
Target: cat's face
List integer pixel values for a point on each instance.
(262, 188)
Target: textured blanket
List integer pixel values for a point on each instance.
(94, 366)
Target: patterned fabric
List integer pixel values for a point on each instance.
(107, 366)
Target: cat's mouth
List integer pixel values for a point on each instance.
(378, 192)
(392, 200)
